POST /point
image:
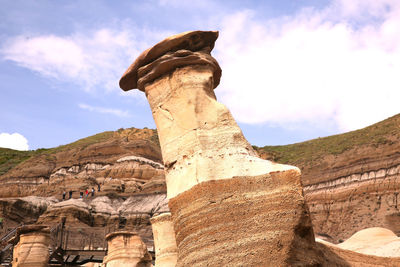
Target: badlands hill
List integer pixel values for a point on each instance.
(125, 164)
(351, 181)
(104, 158)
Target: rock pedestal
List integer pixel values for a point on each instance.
(32, 249)
(229, 207)
(126, 249)
(164, 240)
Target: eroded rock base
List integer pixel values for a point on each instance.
(245, 221)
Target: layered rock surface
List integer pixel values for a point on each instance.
(133, 213)
(24, 210)
(124, 161)
(346, 190)
(351, 181)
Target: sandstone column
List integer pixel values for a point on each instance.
(32, 249)
(126, 249)
(229, 207)
(164, 240)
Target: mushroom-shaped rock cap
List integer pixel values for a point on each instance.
(192, 40)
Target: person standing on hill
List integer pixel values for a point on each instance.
(87, 193)
(92, 191)
(80, 194)
(70, 194)
(63, 196)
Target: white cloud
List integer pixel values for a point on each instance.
(92, 60)
(317, 66)
(332, 67)
(13, 141)
(112, 111)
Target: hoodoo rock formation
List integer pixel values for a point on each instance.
(229, 207)
(126, 249)
(164, 240)
(32, 249)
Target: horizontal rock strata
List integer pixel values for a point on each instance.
(345, 205)
(127, 161)
(244, 221)
(24, 210)
(132, 213)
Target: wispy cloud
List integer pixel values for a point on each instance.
(112, 111)
(339, 65)
(14, 141)
(94, 59)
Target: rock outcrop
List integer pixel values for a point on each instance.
(344, 205)
(99, 212)
(229, 207)
(126, 249)
(133, 213)
(24, 210)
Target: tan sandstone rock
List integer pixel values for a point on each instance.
(164, 240)
(126, 249)
(229, 207)
(374, 241)
(32, 249)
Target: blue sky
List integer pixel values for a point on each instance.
(292, 70)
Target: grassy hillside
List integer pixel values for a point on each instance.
(82, 143)
(10, 158)
(384, 132)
